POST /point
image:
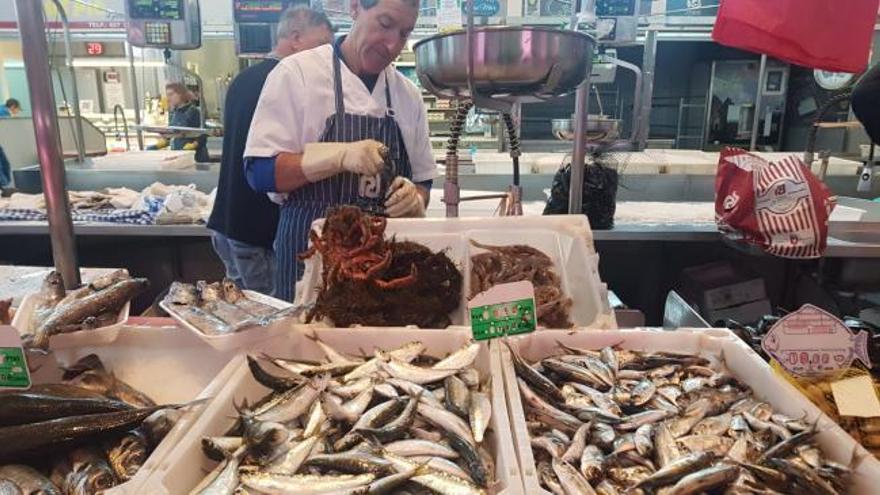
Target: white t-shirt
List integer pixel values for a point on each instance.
(298, 97)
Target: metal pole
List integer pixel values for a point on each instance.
(756, 121)
(68, 57)
(35, 52)
(135, 96)
(576, 185)
(649, 62)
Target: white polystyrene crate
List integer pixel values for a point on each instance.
(103, 335)
(574, 263)
(186, 465)
(717, 345)
(243, 337)
(572, 249)
(452, 244)
(168, 364)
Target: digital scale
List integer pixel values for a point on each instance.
(255, 24)
(173, 24)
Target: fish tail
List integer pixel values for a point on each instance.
(861, 348)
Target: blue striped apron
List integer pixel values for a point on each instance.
(311, 201)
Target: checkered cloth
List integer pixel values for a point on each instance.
(131, 217)
(21, 214)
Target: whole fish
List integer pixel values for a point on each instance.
(159, 424)
(390, 484)
(352, 462)
(22, 440)
(303, 484)
(592, 462)
(443, 465)
(540, 406)
(643, 439)
(224, 479)
(706, 480)
(110, 299)
(470, 457)
(571, 480)
(479, 413)
(379, 414)
(446, 421)
(459, 359)
(233, 295)
(28, 480)
(107, 384)
(533, 378)
(437, 481)
(578, 443)
(294, 456)
(89, 474)
(413, 447)
(677, 469)
(51, 293)
(805, 477)
(406, 353)
(296, 402)
(276, 382)
(127, 454)
(19, 407)
(416, 374)
(396, 428)
(457, 395)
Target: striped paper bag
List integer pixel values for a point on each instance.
(779, 206)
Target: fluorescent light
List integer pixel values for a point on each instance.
(98, 62)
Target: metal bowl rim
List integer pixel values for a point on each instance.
(463, 32)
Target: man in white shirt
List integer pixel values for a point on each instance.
(338, 125)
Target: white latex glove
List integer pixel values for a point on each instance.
(404, 199)
(323, 160)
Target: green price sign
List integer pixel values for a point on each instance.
(13, 368)
(498, 320)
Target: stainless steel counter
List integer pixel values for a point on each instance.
(622, 232)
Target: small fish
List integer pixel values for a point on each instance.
(459, 359)
(219, 448)
(702, 443)
(304, 484)
(540, 406)
(446, 421)
(457, 395)
(128, 454)
(28, 480)
(551, 444)
(438, 481)
(532, 377)
(470, 376)
(379, 414)
(677, 469)
(295, 454)
(706, 480)
(577, 445)
(416, 374)
(572, 481)
(410, 448)
(592, 462)
(664, 445)
(396, 428)
(643, 418)
(479, 413)
(352, 462)
(643, 439)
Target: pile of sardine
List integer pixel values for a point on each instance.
(618, 421)
(397, 422)
(218, 308)
(505, 264)
(88, 433)
(91, 306)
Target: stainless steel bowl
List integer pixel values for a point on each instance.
(598, 128)
(512, 62)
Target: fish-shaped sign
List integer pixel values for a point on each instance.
(811, 341)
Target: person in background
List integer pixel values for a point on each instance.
(11, 108)
(339, 125)
(865, 103)
(183, 112)
(244, 221)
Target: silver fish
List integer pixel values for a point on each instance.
(643, 439)
(304, 484)
(439, 482)
(416, 374)
(459, 359)
(224, 479)
(540, 406)
(591, 462)
(442, 465)
(410, 448)
(479, 414)
(447, 421)
(296, 402)
(406, 353)
(294, 456)
(457, 396)
(579, 441)
(572, 481)
(706, 480)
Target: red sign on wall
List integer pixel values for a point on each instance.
(94, 48)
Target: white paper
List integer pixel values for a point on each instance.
(856, 397)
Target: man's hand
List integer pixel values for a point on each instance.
(404, 199)
(323, 160)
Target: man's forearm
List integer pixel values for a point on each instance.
(289, 174)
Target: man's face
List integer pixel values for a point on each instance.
(380, 33)
(14, 109)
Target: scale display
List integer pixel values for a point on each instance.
(259, 10)
(170, 10)
(174, 24)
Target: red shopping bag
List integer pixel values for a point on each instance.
(779, 206)
(833, 35)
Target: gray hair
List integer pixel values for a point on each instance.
(299, 18)
(369, 4)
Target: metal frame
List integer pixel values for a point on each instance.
(35, 52)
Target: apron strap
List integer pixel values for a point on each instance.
(340, 102)
(390, 110)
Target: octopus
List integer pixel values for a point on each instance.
(371, 280)
(505, 264)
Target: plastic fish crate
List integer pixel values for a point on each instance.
(566, 239)
(184, 467)
(103, 335)
(243, 337)
(713, 344)
(168, 364)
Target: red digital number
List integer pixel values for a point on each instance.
(94, 48)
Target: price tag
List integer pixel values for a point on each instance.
(14, 372)
(813, 342)
(505, 309)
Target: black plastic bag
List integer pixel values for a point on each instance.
(599, 195)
